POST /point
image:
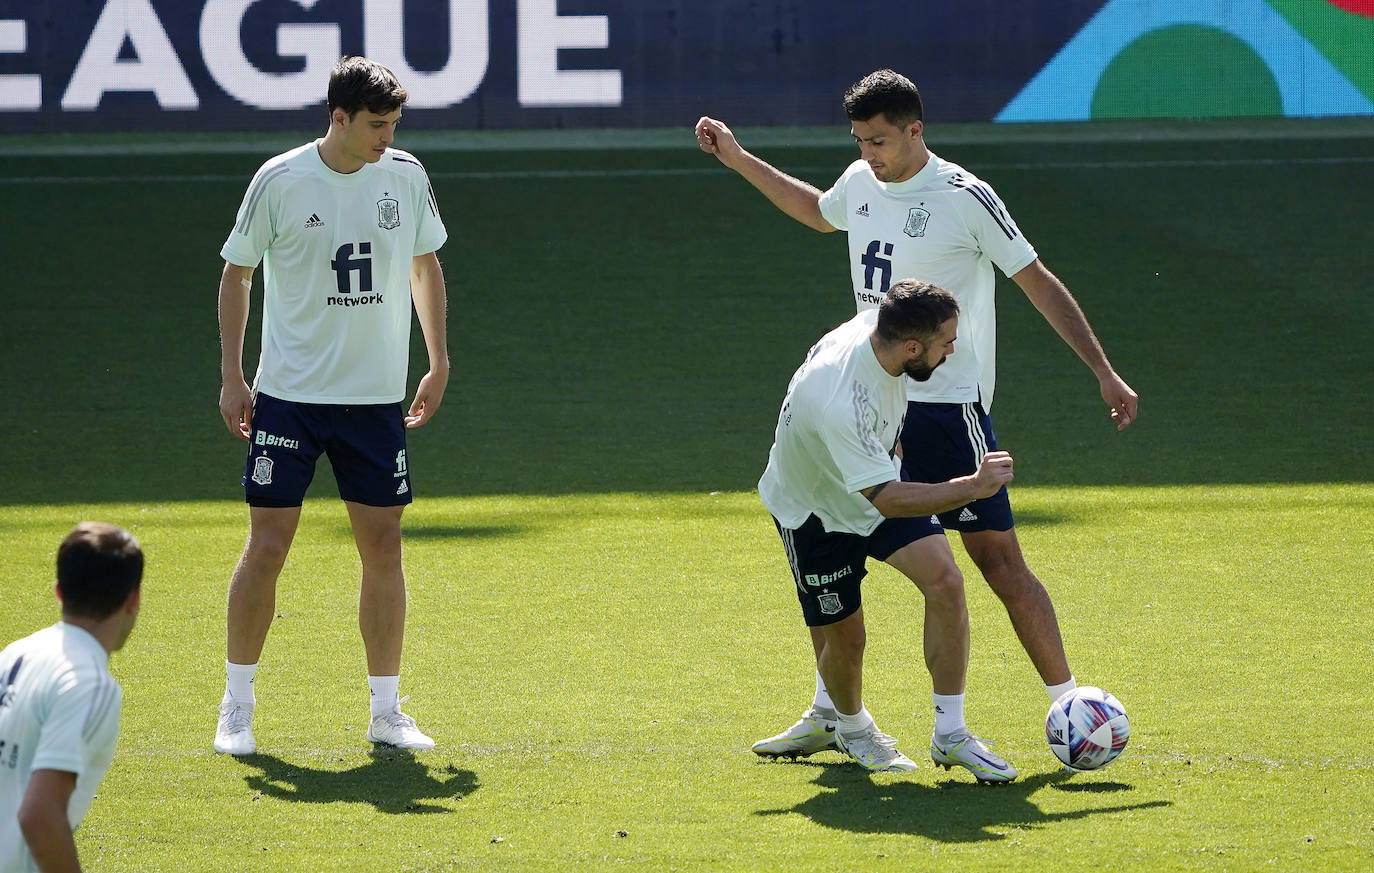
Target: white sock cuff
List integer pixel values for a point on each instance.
(949, 713)
(384, 693)
(857, 723)
(1056, 690)
(238, 683)
(822, 698)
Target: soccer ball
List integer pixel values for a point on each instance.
(1087, 728)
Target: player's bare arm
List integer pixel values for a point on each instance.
(235, 397)
(797, 199)
(43, 821)
(431, 301)
(909, 499)
(1061, 310)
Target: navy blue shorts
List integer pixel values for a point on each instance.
(941, 441)
(828, 567)
(366, 445)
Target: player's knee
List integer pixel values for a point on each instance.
(846, 639)
(943, 586)
(266, 548)
(1001, 562)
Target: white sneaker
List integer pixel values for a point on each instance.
(397, 729)
(814, 733)
(874, 750)
(963, 749)
(234, 734)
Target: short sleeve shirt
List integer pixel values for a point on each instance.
(336, 251)
(836, 434)
(59, 710)
(944, 226)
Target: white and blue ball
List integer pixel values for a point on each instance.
(1087, 728)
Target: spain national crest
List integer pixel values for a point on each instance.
(916, 220)
(262, 470)
(388, 214)
(830, 604)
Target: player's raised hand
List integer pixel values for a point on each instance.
(714, 138)
(428, 395)
(236, 408)
(1123, 403)
(994, 472)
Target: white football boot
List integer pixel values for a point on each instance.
(395, 728)
(963, 749)
(234, 734)
(814, 733)
(874, 750)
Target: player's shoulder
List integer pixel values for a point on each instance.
(404, 164)
(856, 171)
(282, 168)
(952, 176)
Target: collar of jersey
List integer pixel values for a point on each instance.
(916, 182)
(85, 638)
(344, 179)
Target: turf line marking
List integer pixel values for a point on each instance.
(495, 175)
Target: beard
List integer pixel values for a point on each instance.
(920, 370)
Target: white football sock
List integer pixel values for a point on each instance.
(238, 684)
(822, 699)
(384, 691)
(949, 713)
(853, 725)
(1056, 690)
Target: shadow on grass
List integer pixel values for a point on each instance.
(460, 531)
(951, 811)
(393, 781)
(441, 532)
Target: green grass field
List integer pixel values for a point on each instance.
(601, 616)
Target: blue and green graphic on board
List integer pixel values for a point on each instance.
(1204, 58)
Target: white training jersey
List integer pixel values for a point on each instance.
(59, 710)
(943, 226)
(337, 251)
(836, 434)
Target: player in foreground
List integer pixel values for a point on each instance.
(348, 229)
(833, 486)
(59, 705)
(909, 212)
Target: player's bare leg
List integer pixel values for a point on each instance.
(382, 600)
(382, 620)
(253, 587)
(252, 606)
(997, 554)
(929, 563)
(841, 660)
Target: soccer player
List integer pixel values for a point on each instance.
(59, 705)
(834, 487)
(909, 212)
(347, 228)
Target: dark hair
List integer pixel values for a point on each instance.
(98, 565)
(885, 93)
(914, 309)
(358, 83)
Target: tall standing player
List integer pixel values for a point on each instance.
(909, 212)
(347, 229)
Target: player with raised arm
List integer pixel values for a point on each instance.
(347, 228)
(909, 212)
